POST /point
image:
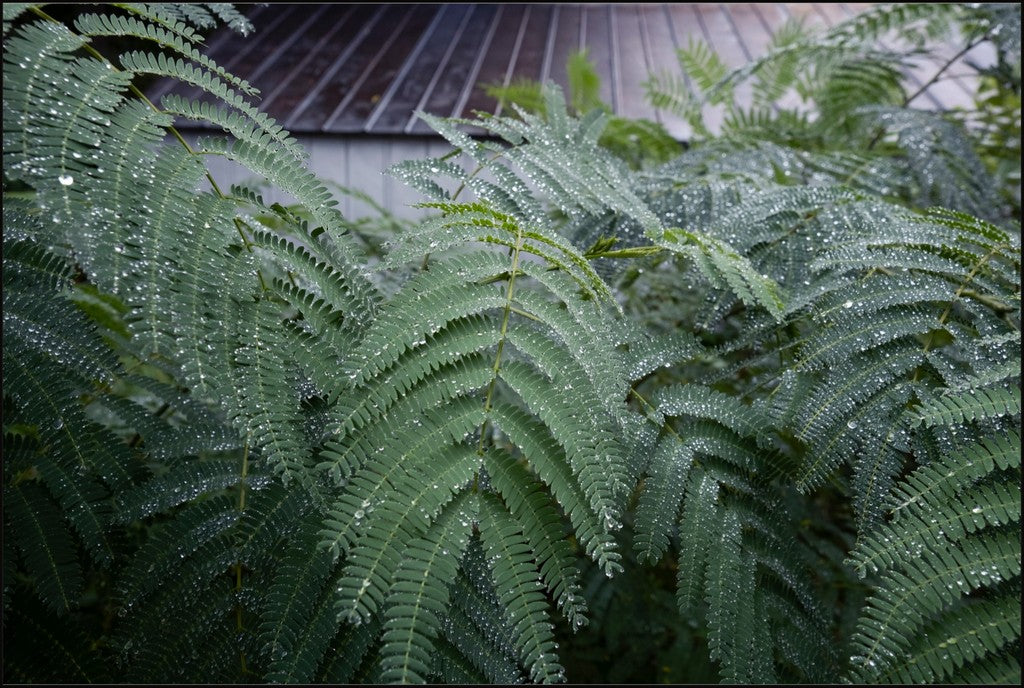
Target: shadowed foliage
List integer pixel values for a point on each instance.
(747, 411)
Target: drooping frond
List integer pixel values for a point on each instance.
(419, 596)
(759, 368)
(516, 583)
(46, 546)
(969, 406)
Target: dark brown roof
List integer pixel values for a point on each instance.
(366, 68)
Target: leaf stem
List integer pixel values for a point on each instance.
(513, 272)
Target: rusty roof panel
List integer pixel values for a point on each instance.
(366, 68)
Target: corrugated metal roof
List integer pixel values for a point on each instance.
(366, 68)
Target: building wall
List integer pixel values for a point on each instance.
(356, 162)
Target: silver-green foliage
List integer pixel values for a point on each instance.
(251, 463)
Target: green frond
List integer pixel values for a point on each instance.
(851, 298)
(475, 595)
(291, 599)
(183, 20)
(37, 49)
(416, 370)
(413, 504)
(578, 178)
(876, 22)
(731, 616)
(462, 223)
(522, 92)
(592, 452)
(270, 412)
(663, 491)
(854, 334)
(1003, 669)
(229, 16)
(855, 83)
(450, 666)
(115, 25)
(13, 10)
(247, 441)
(935, 483)
(903, 601)
(316, 263)
(420, 440)
(879, 462)
(314, 628)
(161, 556)
(644, 356)
(330, 231)
(59, 333)
(672, 93)
(349, 652)
(159, 64)
(725, 268)
(584, 82)
(472, 643)
(953, 640)
(704, 67)
(581, 326)
(516, 580)
(419, 595)
(967, 406)
(270, 513)
(923, 529)
(529, 503)
(956, 177)
(450, 291)
(698, 522)
(29, 266)
(46, 546)
(641, 142)
(701, 402)
(183, 484)
(836, 406)
(544, 456)
(156, 650)
(420, 174)
(51, 399)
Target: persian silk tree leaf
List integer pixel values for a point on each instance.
(547, 459)
(292, 595)
(926, 528)
(721, 264)
(419, 594)
(516, 580)
(115, 25)
(971, 405)
(905, 599)
(542, 525)
(702, 402)
(448, 291)
(957, 638)
(730, 588)
(416, 496)
(47, 547)
(663, 491)
(697, 525)
(936, 483)
(320, 628)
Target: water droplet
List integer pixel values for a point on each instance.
(66, 179)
